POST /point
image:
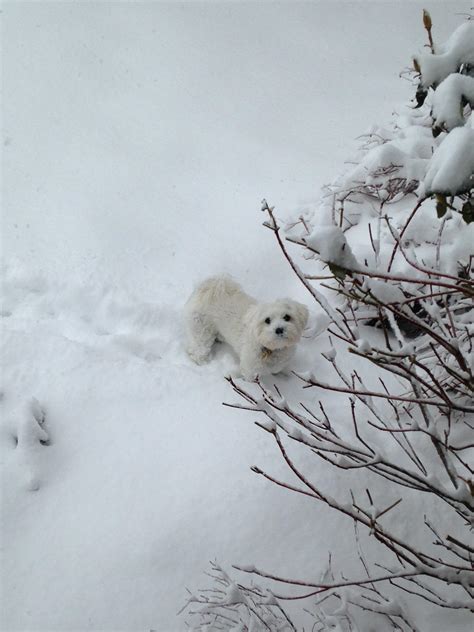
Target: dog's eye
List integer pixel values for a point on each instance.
(268, 320)
(287, 317)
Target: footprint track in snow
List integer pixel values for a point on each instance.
(105, 317)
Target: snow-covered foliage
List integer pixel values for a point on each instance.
(399, 258)
(451, 170)
(447, 58)
(449, 98)
(446, 79)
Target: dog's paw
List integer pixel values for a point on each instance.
(283, 373)
(198, 356)
(249, 376)
(233, 374)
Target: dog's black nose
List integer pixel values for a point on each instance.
(279, 331)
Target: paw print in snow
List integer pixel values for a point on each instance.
(30, 437)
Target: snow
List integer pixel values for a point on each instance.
(364, 346)
(451, 169)
(233, 595)
(330, 243)
(383, 291)
(138, 140)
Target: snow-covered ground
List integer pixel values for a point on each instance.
(138, 142)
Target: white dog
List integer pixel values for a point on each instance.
(263, 335)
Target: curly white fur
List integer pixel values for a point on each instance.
(263, 335)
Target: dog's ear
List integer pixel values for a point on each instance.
(301, 314)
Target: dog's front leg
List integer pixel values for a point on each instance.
(249, 363)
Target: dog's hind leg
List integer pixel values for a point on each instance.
(202, 335)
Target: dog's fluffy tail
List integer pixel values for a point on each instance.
(215, 288)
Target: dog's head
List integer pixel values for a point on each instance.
(277, 325)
